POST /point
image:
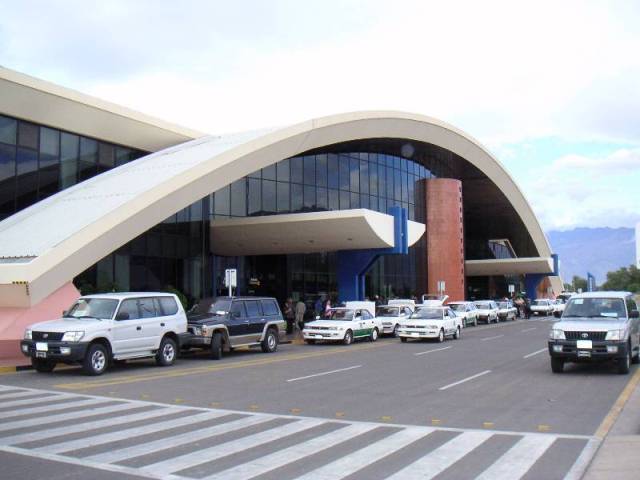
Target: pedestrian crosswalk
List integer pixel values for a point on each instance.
(180, 442)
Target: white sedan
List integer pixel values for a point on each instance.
(343, 325)
(506, 310)
(392, 315)
(466, 310)
(431, 323)
(542, 306)
(487, 311)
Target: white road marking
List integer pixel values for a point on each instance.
(491, 338)
(535, 353)
(113, 456)
(39, 421)
(85, 426)
(446, 387)
(580, 466)
(442, 457)
(528, 329)
(517, 461)
(349, 464)
(4, 396)
(28, 402)
(221, 450)
(323, 373)
(128, 433)
(281, 458)
(72, 403)
(432, 350)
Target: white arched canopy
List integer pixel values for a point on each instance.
(48, 244)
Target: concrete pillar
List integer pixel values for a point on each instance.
(445, 236)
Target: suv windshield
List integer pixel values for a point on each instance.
(388, 311)
(220, 307)
(346, 315)
(101, 308)
(595, 308)
(428, 314)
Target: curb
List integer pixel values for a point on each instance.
(15, 368)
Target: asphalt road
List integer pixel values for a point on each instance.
(486, 403)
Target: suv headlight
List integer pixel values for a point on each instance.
(72, 336)
(556, 334)
(615, 335)
(27, 334)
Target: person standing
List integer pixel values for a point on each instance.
(301, 308)
(289, 315)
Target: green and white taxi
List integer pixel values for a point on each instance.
(345, 324)
(431, 323)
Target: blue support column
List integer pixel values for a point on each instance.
(531, 282)
(353, 265)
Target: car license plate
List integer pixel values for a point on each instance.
(584, 354)
(584, 344)
(42, 346)
(415, 334)
(41, 354)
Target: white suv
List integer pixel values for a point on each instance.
(98, 329)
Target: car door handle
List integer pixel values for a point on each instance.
(138, 327)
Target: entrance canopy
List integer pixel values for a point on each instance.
(358, 229)
(509, 266)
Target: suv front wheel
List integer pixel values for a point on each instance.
(557, 365)
(270, 342)
(216, 346)
(95, 360)
(624, 364)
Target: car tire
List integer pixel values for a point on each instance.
(557, 365)
(458, 334)
(167, 353)
(403, 339)
(216, 346)
(42, 366)
(374, 335)
(96, 360)
(395, 331)
(270, 342)
(441, 336)
(348, 337)
(310, 342)
(624, 364)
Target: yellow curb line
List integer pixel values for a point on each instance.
(614, 413)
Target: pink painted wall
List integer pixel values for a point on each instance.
(13, 321)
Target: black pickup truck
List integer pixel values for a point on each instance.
(225, 323)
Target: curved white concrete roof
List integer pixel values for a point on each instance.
(50, 242)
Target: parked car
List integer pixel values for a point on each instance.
(558, 307)
(431, 323)
(222, 324)
(506, 310)
(487, 311)
(345, 324)
(434, 299)
(466, 310)
(392, 315)
(597, 326)
(542, 306)
(99, 329)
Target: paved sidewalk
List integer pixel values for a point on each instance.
(619, 455)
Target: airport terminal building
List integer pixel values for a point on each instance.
(96, 197)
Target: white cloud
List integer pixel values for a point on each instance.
(623, 160)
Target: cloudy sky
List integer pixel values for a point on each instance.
(551, 88)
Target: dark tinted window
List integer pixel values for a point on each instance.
(237, 310)
(168, 305)
(130, 307)
(253, 308)
(147, 308)
(8, 128)
(270, 307)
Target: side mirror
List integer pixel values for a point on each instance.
(634, 314)
(64, 313)
(122, 316)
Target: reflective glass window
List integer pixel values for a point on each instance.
(27, 161)
(345, 174)
(254, 194)
(322, 201)
(239, 198)
(69, 145)
(269, 173)
(256, 174)
(296, 169)
(222, 202)
(364, 200)
(106, 156)
(373, 178)
(390, 182)
(309, 165)
(333, 173)
(354, 174)
(283, 170)
(355, 200)
(8, 130)
(7, 180)
(268, 196)
(296, 197)
(344, 200)
(309, 197)
(382, 183)
(334, 199)
(321, 170)
(87, 167)
(28, 135)
(364, 176)
(283, 197)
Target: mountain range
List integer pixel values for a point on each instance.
(594, 250)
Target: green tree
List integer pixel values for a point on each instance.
(625, 279)
(579, 283)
